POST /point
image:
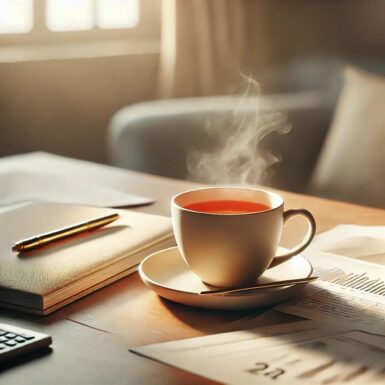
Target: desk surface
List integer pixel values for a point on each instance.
(91, 337)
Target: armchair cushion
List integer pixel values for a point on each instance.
(352, 163)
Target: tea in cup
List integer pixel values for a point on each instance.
(229, 236)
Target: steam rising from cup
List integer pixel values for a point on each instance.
(239, 156)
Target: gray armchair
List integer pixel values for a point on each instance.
(155, 137)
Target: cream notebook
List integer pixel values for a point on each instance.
(43, 280)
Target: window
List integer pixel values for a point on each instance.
(64, 23)
(22, 16)
(55, 29)
(16, 16)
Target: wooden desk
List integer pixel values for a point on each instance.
(91, 337)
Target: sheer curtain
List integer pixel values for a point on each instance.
(203, 44)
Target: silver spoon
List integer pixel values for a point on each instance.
(258, 286)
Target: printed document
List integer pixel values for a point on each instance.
(351, 286)
(303, 352)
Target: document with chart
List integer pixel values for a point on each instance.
(303, 352)
(351, 286)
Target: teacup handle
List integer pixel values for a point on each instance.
(306, 240)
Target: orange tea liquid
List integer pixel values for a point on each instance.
(227, 207)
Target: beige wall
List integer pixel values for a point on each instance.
(63, 106)
(280, 30)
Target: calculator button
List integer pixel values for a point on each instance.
(10, 335)
(3, 339)
(27, 337)
(10, 343)
(19, 339)
(2, 332)
(2, 346)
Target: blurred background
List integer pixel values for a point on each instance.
(67, 66)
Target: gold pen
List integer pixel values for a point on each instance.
(65, 232)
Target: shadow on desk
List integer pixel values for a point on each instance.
(25, 358)
(193, 317)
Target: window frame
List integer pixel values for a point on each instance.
(149, 21)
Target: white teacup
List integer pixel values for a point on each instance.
(234, 243)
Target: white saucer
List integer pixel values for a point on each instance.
(166, 273)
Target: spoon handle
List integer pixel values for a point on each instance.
(258, 286)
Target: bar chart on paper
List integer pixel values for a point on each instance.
(349, 273)
(348, 290)
(360, 281)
